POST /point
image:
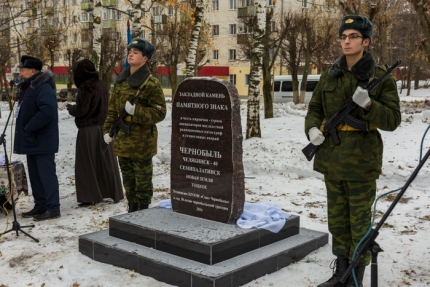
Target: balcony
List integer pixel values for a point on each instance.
(109, 3)
(87, 25)
(87, 5)
(32, 12)
(48, 11)
(248, 11)
(86, 45)
(109, 24)
(48, 29)
(160, 19)
(242, 39)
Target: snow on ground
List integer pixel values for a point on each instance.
(276, 171)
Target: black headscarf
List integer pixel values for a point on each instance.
(84, 70)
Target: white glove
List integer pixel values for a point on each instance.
(129, 108)
(361, 97)
(108, 139)
(316, 136)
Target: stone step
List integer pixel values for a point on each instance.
(194, 238)
(184, 272)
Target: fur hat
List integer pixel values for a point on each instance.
(30, 62)
(142, 45)
(84, 70)
(356, 22)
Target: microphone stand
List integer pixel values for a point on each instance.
(370, 244)
(15, 224)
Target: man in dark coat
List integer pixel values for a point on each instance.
(37, 136)
(351, 168)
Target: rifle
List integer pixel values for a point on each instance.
(119, 122)
(343, 115)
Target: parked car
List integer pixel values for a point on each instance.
(283, 88)
(62, 95)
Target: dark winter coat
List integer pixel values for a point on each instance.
(36, 130)
(141, 142)
(93, 96)
(358, 157)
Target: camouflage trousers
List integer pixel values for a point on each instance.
(349, 208)
(137, 179)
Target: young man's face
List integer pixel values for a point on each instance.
(353, 42)
(136, 58)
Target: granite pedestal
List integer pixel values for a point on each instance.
(187, 251)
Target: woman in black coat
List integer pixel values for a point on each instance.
(96, 171)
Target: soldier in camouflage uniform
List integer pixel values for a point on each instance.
(136, 149)
(351, 168)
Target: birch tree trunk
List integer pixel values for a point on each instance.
(194, 41)
(136, 26)
(97, 37)
(253, 116)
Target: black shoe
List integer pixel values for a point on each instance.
(85, 204)
(339, 268)
(359, 275)
(33, 212)
(46, 215)
(133, 206)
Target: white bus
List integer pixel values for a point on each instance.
(283, 88)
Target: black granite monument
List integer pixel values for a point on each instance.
(207, 178)
(194, 246)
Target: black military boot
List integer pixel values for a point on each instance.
(143, 206)
(359, 275)
(339, 268)
(133, 206)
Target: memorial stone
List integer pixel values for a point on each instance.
(207, 178)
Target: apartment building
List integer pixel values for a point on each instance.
(76, 20)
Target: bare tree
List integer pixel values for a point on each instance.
(422, 8)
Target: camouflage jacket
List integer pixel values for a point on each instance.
(150, 109)
(358, 157)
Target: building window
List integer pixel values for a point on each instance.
(215, 30)
(232, 29)
(246, 3)
(170, 10)
(246, 79)
(305, 3)
(232, 54)
(232, 79)
(272, 26)
(215, 54)
(271, 2)
(232, 5)
(75, 38)
(215, 5)
(142, 34)
(156, 11)
(65, 20)
(86, 16)
(75, 2)
(245, 29)
(104, 13)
